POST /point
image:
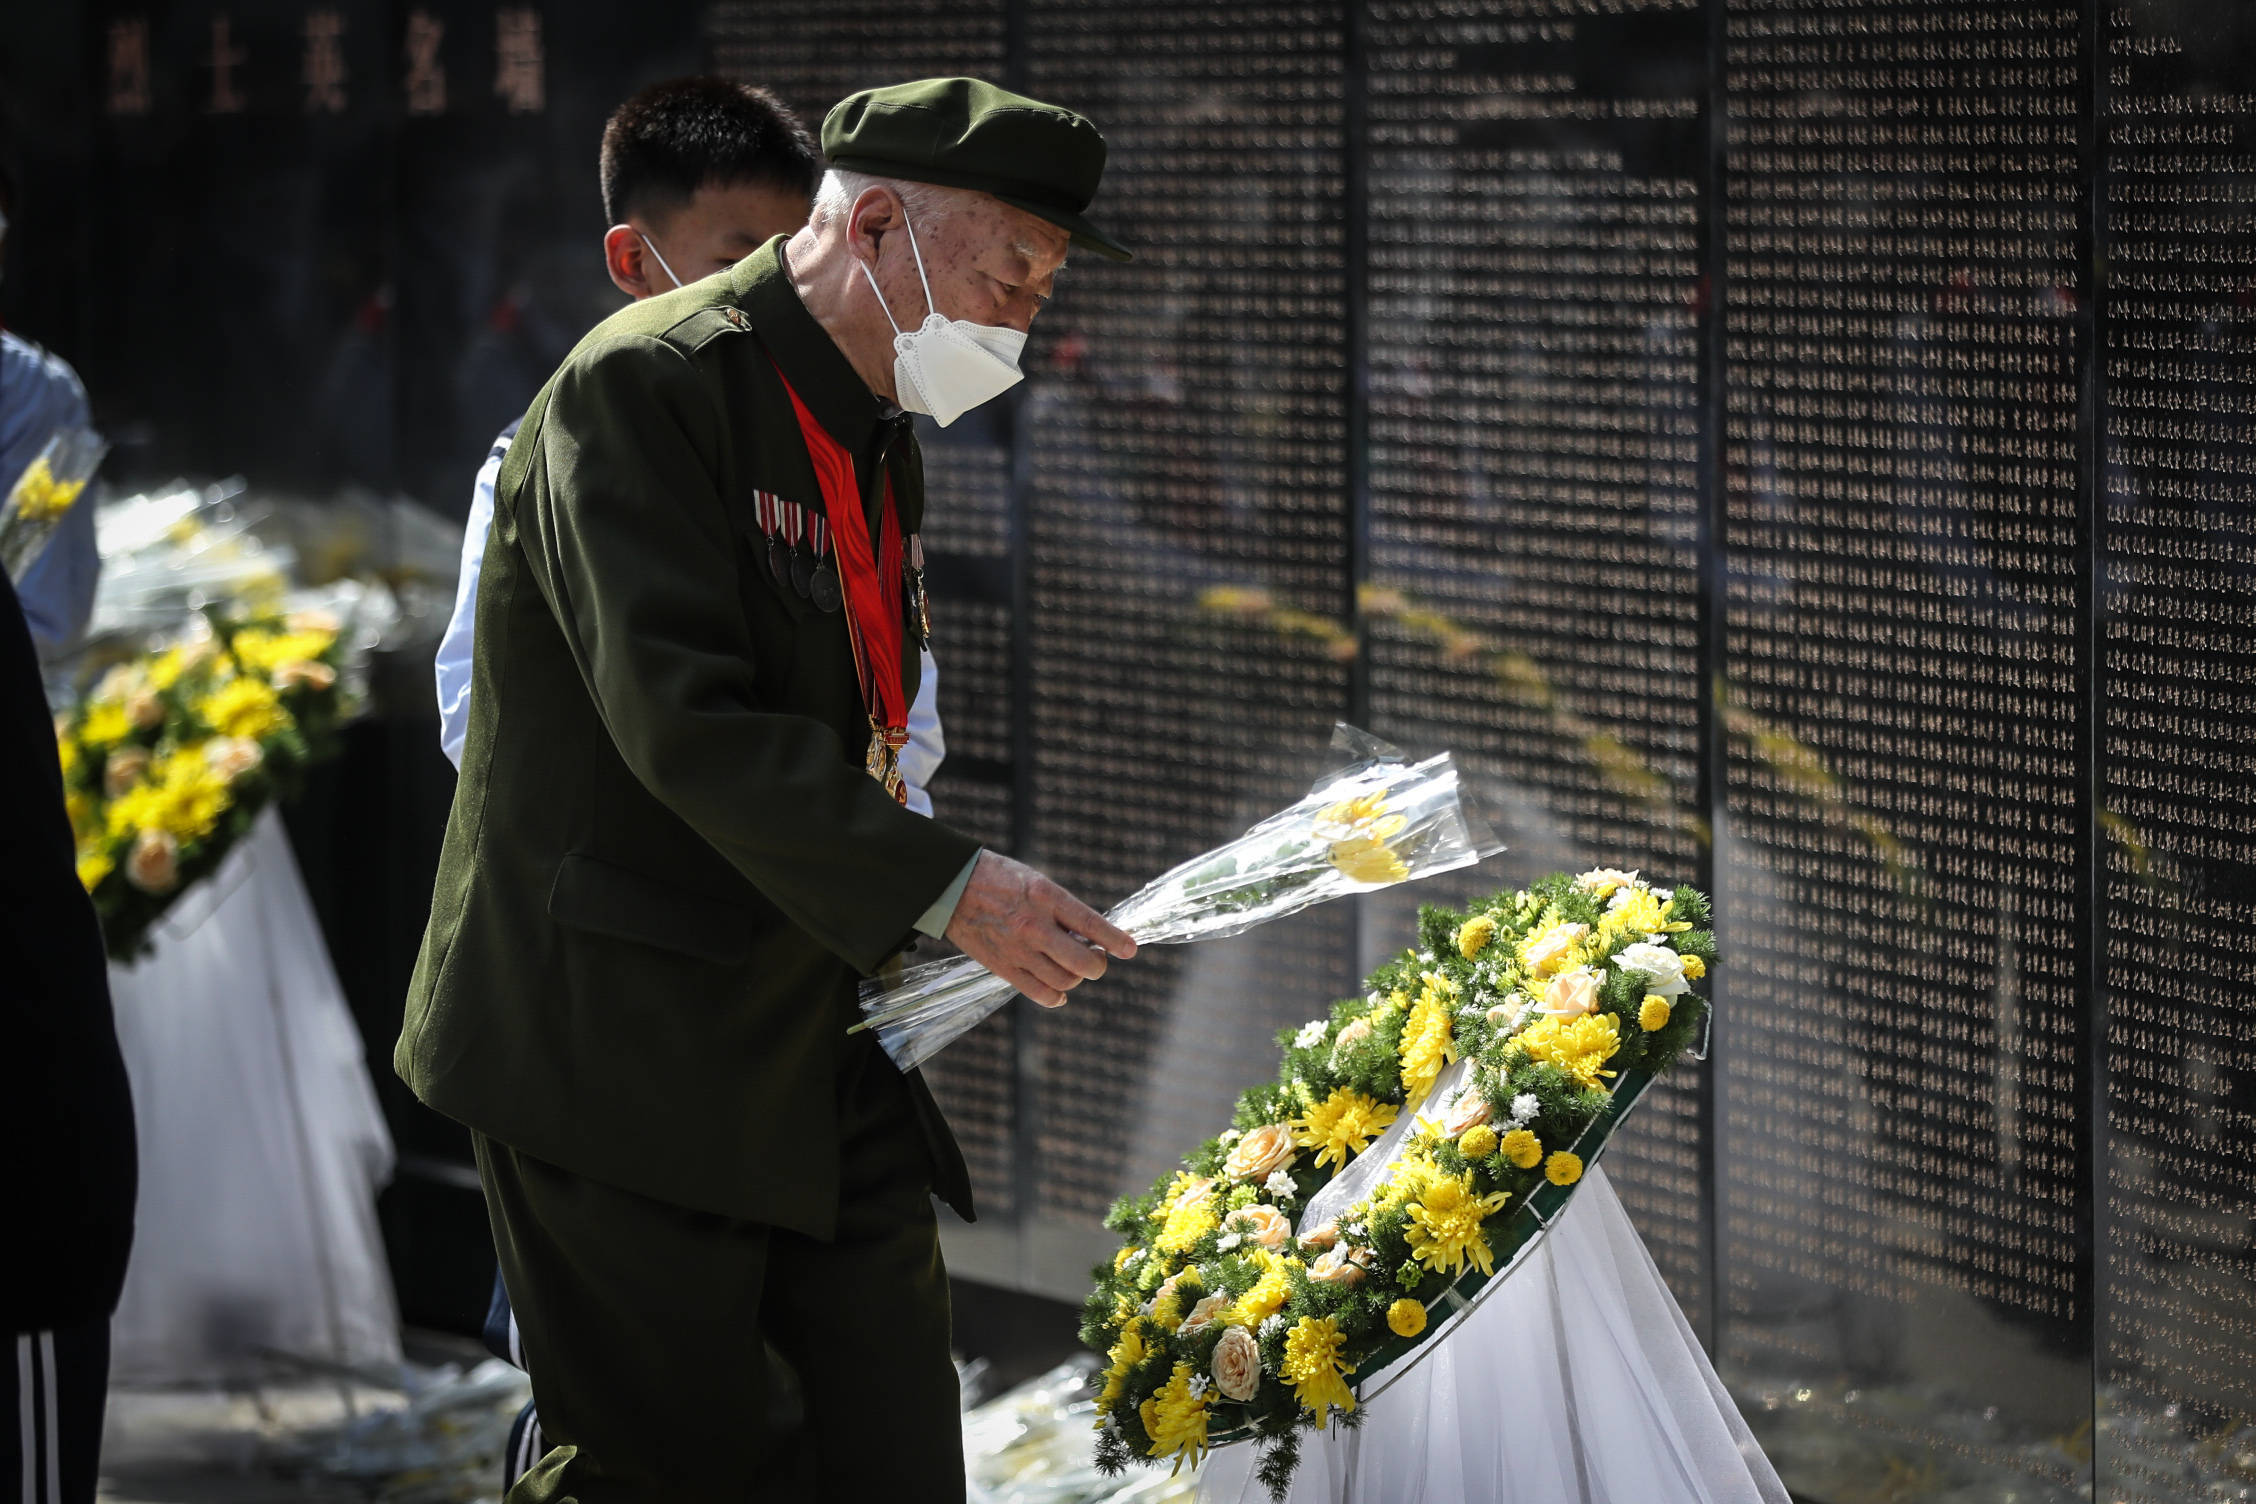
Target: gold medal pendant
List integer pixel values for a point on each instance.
(883, 761)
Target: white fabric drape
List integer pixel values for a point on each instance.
(1578, 1381)
(262, 1146)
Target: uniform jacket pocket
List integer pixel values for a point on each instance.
(593, 895)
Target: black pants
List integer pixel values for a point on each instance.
(645, 1328)
(55, 1385)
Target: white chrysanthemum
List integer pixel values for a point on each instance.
(1273, 1325)
(1229, 1137)
(1662, 968)
(1311, 1034)
(1228, 1241)
(1525, 1107)
(1200, 1383)
(1280, 1187)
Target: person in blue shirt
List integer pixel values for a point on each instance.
(697, 173)
(40, 395)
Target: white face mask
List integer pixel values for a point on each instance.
(949, 366)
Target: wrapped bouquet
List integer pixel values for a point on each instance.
(49, 487)
(1369, 826)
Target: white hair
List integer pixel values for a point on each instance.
(927, 203)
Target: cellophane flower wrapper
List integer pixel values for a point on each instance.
(43, 495)
(1372, 825)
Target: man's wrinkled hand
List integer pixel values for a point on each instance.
(1031, 932)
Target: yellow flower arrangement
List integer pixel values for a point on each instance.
(1522, 1148)
(1445, 1225)
(1175, 1419)
(1406, 1317)
(244, 707)
(1342, 1125)
(1653, 1013)
(1314, 1367)
(1477, 1142)
(1474, 935)
(1563, 1168)
(1428, 1043)
(1579, 1046)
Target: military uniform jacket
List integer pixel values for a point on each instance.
(665, 865)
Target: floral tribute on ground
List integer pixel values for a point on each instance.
(176, 751)
(1481, 1072)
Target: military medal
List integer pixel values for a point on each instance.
(864, 569)
(825, 593)
(769, 508)
(920, 604)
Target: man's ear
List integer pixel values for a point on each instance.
(874, 212)
(628, 261)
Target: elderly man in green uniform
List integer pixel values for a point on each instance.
(678, 841)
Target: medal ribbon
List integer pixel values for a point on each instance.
(873, 614)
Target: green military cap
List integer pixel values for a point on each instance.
(965, 133)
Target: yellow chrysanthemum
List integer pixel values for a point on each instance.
(1313, 1367)
(80, 808)
(1477, 1142)
(66, 753)
(1474, 935)
(1188, 1219)
(106, 723)
(1522, 1148)
(40, 497)
(1563, 1168)
(1367, 859)
(182, 796)
(1428, 1041)
(1266, 1297)
(93, 866)
(1580, 1047)
(1445, 1226)
(1653, 1013)
(1342, 1125)
(169, 666)
(244, 707)
(264, 651)
(1175, 1419)
(1694, 967)
(1635, 912)
(1127, 1351)
(1406, 1317)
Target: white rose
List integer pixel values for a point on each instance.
(1237, 1364)
(1601, 882)
(1661, 967)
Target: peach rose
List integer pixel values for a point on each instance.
(1321, 1237)
(1268, 1148)
(1193, 1191)
(1237, 1364)
(154, 864)
(311, 621)
(1349, 1037)
(304, 674)
(1506, 1015)
(1338, 1266)
(1204, 1312)
(232, 756)
(1572, 994)
(1470, 1110)
(1264, 1225)
(145, 710)
(126, 767)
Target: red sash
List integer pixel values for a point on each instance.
(868, 584)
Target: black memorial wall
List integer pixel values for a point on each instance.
(1795, 446)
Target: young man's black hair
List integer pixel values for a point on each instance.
(676, 137)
